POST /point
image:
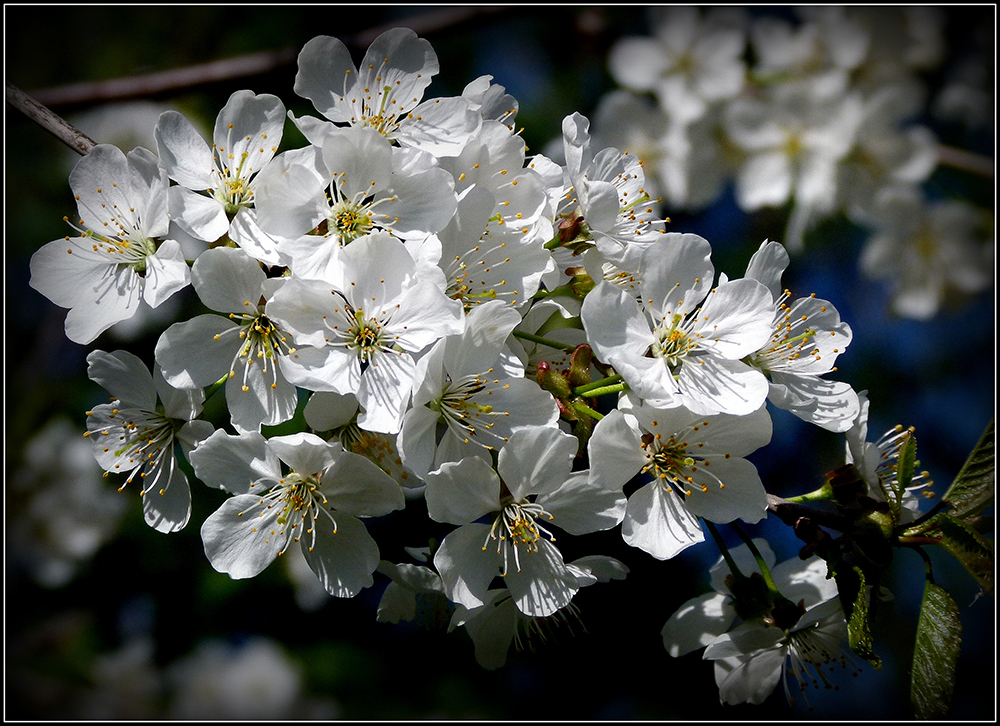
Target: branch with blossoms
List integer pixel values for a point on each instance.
(516, 340)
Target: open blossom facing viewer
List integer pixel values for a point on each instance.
(119, 256)
(684, 344)
(531, 490)
(315, 504)
(697, 468)
(245, 344)
(384, 92)
(358, 333)
(246, 137)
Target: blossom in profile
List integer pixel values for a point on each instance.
(807, 337)
(119, 256)
(135, 434)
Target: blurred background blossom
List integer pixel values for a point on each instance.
(892, 210)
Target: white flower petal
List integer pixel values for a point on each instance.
(343, 560)
(656, 521)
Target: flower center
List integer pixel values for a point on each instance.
(128, 247)
(365, 337)
(301, 503)
(263, 341)
(516, 530)
(674, 343)
(144, 439)
(674, 466)
(791, 340)
(460, 411)
(349, 220)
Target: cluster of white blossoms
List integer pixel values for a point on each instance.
(821, 114)
(434, 314)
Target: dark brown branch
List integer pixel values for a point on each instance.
(73, 138)
(246, 66)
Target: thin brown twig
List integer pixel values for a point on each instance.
(72, 137)
(966, 161)
(245, 66)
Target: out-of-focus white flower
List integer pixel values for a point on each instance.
(909, 39)
(59, 509)
(793, 138)
(828, 43)
(127, 685)
(255, 680)
(886, 149)
(694, 59)
(927, 249)
(127, 125)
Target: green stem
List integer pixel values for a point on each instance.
(928, 569)
(544, 341)
(587, 388)
(730, 562)
(824, 493)
(617, 388)
(587, 411)
(761, 565)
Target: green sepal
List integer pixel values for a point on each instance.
(904, 474)
(935, 653)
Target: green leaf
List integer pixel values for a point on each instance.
(859, 634)
(935, 652)
(972, 490)
(966, 545)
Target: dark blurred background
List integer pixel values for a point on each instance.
(105, 618)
